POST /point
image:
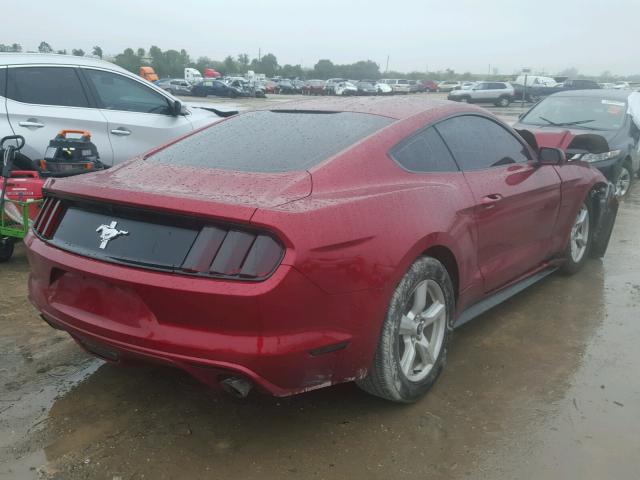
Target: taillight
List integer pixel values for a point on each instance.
(48, 218)
(233, 253)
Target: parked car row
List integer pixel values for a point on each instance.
(344, 86)
(531, 88)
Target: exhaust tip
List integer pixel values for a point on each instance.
(236, 386)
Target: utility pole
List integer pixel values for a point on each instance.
(259, 54)
(387, 67)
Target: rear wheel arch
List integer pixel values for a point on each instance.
(445, 256)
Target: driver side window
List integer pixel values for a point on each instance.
(117, 92)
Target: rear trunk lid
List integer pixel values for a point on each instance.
(168, 218)
(186, 190)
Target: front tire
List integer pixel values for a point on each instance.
(624, 180)
(413, 342)
(577, 250)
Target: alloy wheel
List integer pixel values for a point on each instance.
(580, 234)
(422, 330)
(624, 182)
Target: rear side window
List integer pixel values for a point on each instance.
(271, 141)
(46, 86)
(478, 143)
(117, 92)
(424, 152)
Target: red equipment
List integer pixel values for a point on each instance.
(211, 73)
(23, 186)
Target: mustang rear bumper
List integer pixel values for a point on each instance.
(284, 334)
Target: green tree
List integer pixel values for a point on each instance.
(571, 72)
(230, 66)
(78, 52)
(202, 63)
(16, 47)
(243, 63)
(324, 69)
(268, 65)
(44, 47)
(361, 70)
(141, 52)
(128, 60)
(97, 51)
(292, 71)
(61, 52)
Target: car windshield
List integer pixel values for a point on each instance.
(271, 141)
(580, 112)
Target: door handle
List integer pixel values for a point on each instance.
(489, 201)
(123, 132)
(31, 123)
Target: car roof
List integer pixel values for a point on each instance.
(393, 107)
(55, 59)
(596, 92)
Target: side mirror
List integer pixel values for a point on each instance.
(176, 108)
(551, 156)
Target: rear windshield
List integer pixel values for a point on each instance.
(271, 141)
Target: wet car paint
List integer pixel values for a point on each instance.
(348, 243)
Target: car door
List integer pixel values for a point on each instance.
(218, 89)
(482, 92)
(139, 117)
(42, 100)
(185, 89)
(516, 198)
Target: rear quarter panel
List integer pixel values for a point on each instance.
(367, 219)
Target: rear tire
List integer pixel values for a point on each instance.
(577, 250)
(413, 342)
(6, 249)
(503, 102)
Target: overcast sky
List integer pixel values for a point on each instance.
(590, 35)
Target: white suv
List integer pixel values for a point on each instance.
(498, 93)
(41, 94)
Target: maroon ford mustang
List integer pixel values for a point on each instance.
(320, 242)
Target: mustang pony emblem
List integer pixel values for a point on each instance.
(108, 233)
